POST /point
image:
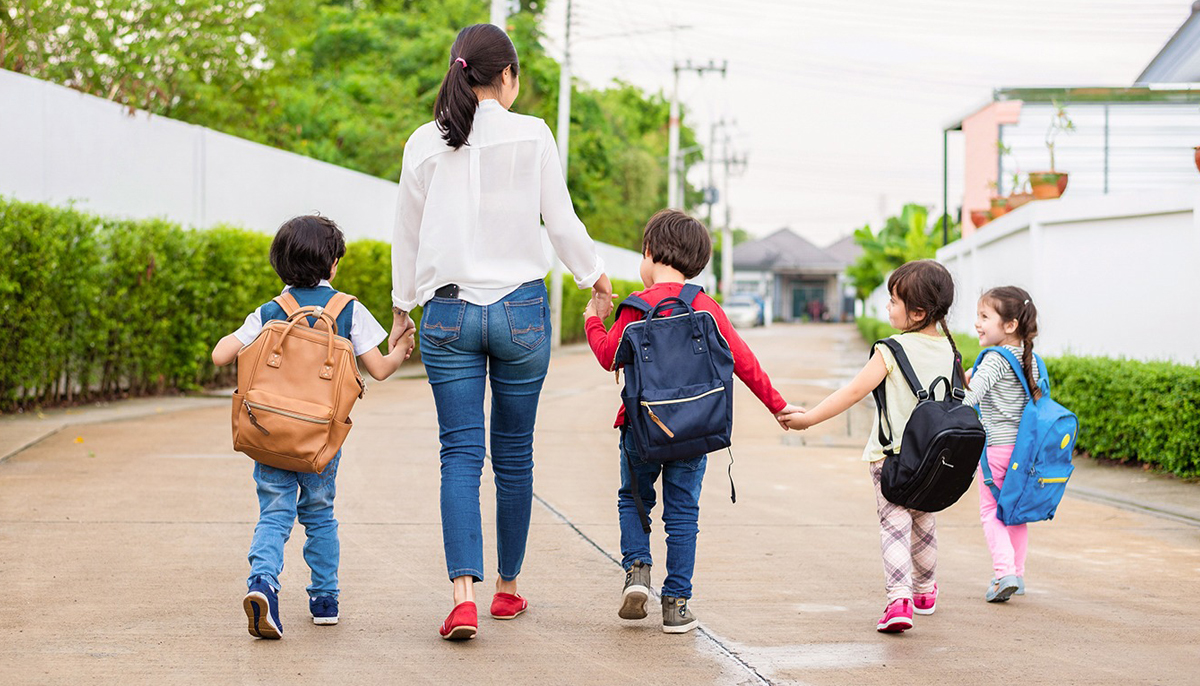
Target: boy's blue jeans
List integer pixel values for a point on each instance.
(464, 346)
(681, 482)
(284, 496)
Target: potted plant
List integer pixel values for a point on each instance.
(1051, 184)
(980, 217)
(1020, 192)
(999, 202)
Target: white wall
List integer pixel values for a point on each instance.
(1113, 275)
(58, 145)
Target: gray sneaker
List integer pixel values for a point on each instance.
(677, 618)
(1001, 589)
(637, 591)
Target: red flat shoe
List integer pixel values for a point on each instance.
(462, 623)
(508, 606)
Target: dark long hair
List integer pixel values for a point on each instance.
(1014, 304)
(927, 286)
(477, 58)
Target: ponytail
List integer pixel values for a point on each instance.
(957, 356)
(478, 57)
(1014, 304)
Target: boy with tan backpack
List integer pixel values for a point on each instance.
(297, 381)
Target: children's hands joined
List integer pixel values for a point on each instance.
(795, 420)
(788, 410)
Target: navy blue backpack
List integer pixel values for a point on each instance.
(678, 392)
(1041, 459)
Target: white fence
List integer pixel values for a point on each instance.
(1112, 275)
(58, 145)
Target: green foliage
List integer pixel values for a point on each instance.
(1131, 411)
(909, 236)
(575, 300)
(343, 82)
(100, 307)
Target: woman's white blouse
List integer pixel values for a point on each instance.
(470, 216)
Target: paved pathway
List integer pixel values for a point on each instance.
(123, 542)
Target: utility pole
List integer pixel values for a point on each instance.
(733, 163)
(675, 193)
(500, 13)
(564, 141)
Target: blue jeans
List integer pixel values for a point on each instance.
(463, 346)
(278, 508)
(681, 482)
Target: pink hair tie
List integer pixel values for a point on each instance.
(464, 62)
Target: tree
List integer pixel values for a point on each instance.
(903, 238)
(343, 81)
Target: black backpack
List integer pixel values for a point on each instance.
(943, 441)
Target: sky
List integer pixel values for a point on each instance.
(839, 105)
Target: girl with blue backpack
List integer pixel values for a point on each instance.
(1029, 437)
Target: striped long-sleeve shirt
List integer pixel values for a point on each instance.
(1000, 397)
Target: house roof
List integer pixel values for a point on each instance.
(845, 250)
(784, 250)
(1179, 59)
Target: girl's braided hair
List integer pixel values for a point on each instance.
(1013, 303)
(926, 286)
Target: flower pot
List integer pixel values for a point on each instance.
(1062, 183)
(1197, 156)
(1017, 199)
(980, 217)
(999, 207)
(1046, 184)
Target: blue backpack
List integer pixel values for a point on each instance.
(678, 392)
(1041, 460)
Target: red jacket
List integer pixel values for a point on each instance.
(745, 364)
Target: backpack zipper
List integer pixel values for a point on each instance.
(1058, 480)
(276, 410)
(254, 420)
(653, 417)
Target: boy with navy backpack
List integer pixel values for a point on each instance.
(1030, 438)
(679, 352)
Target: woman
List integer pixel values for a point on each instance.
(468, 247)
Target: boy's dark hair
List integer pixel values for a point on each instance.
(677, 240)
(927, 286)
(1013, 303)
(305, 249)
(478, 58)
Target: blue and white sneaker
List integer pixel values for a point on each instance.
(262, 609)
(324, 610)
(1001, 589)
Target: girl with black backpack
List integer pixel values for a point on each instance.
(921, 293)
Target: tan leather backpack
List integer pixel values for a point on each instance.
(296, 386)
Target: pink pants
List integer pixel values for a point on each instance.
(1007, 544)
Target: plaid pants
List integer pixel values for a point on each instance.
(909, 542)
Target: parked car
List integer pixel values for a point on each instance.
(743, 311)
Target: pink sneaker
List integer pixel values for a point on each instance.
(897, 618)
(925, 603)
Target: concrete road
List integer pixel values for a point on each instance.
(123, 543)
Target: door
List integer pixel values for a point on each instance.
(806, 300)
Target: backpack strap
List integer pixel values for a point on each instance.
(1012, 362)
(636, 302)
(986, 471)
(337, 303)
(880, 394)
(689, 292)
(287, 302)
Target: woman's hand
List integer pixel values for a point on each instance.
(602, 297)
(401, 323)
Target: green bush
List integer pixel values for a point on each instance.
(1131, 411)
(874, 329)
(99, 307)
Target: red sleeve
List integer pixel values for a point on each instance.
(604, 343)
(745, 364)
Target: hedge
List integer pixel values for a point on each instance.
(101, 307)
(1131, 411)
